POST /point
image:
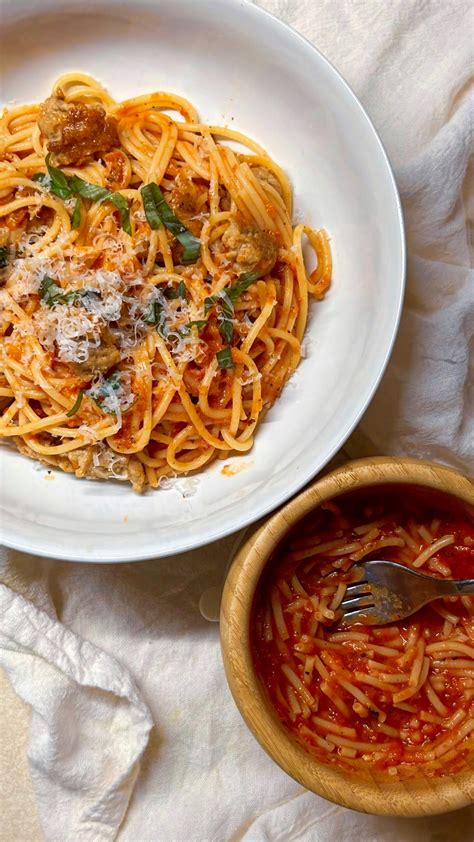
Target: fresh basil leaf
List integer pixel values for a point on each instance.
(65, 186)
(224, 358)
(101, 194)
(246, 279)
(121, 204)
(76, 405)
(153, 315)
(50, 292)
(76, 217)
(43, 179)
(149, 206)
(158, 211)
(225, 313)
(225, 317)
(199, 323)
(102, 391)
(172, 293)
(210, 301)
(88, 190)
(4, 255)
(226, 329)
(58, 181)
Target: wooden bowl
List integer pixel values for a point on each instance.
(371, 792)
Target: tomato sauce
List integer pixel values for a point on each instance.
(395, 696)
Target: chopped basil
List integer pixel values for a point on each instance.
(122, 206)
(199, 323)
(88, 190)
(149, 206)
(102, 392)
(246, 279)
(76, 405)
(224, 358)
(101, 194)
(158, 212)
(226, 299)
(51, 294)
(152, 312)
(4, 253)
(76, 217)
(172, 293)
(225, 318)
(153, 315)
(64, 186)
(55, 181)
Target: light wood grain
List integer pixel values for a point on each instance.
(367, 791)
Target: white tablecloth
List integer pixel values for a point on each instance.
(202, 776)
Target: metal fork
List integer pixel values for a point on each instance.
(383, 591)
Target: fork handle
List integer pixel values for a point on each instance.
(462, 587)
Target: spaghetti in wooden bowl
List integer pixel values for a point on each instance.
(376, 718)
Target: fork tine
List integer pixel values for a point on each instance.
(356, 589)
(363, 601)
(361, 617)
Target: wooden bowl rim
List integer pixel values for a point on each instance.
(420, 796)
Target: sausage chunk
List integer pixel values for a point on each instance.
(73, 131)
(185, 200)
(252, 249)
(99, 359)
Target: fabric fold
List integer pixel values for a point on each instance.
(89, 725)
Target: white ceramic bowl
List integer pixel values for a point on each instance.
(239, 66)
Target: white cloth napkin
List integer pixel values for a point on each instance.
(102, 652)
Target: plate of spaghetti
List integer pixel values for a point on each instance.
(185, 285)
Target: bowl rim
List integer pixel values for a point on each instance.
(420, 796)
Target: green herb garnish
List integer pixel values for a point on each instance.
(226, 299)
(158, 212)
(76, 217)
(224, 358)
(4, 253)
(65, 186)
(104, 391)
(55, 181)
(51, 293)
(153, 314)
(199, 323)
(76, 405)
(172, 293)
(245, 280)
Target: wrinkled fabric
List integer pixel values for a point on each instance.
(131, 713)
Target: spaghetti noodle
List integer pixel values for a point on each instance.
(396, 697)
(153, 294)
